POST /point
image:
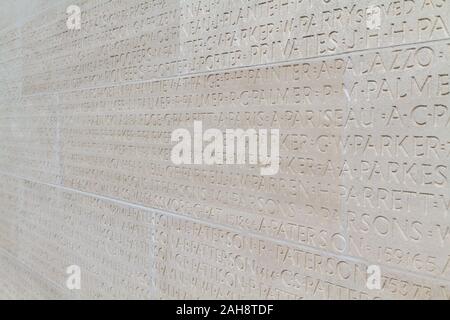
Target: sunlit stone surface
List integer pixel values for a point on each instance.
(358, 89)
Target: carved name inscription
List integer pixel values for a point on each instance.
(360, 94)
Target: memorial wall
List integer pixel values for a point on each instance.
(336, 185)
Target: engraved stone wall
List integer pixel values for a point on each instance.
(358, 89)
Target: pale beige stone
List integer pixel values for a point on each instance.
(86, 178)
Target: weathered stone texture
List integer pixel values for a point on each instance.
(86, 177)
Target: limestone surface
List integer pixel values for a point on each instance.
(93, 205)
